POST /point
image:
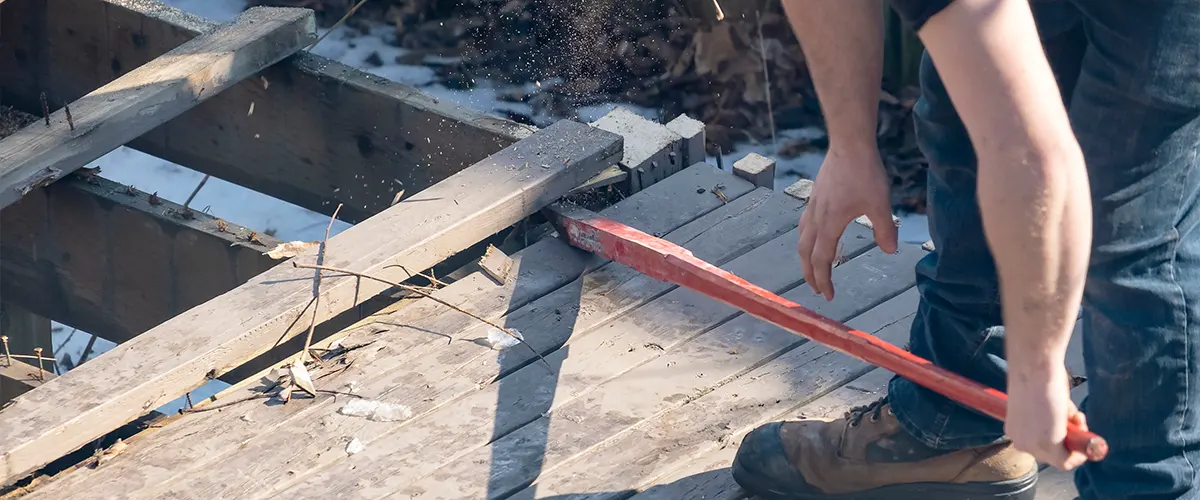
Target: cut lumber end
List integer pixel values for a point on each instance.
(149, 96)
(496, 265)
(800, 190)
(692, 132)
(757, 169)
(652, 151)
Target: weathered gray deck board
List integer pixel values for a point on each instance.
(463, 369)
(408, 332)
(651, 389)
(632, 459)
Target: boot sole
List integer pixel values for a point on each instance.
(1024, 488)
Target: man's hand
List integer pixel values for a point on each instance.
(850, 183)
(1039, 406)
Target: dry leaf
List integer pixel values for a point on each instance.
(300, 377)
(290, 249)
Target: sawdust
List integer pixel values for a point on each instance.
(672, 56)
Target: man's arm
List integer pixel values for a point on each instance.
(843, 48)
(1033, 193)
(1033, 197)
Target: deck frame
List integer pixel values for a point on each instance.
(322, 133)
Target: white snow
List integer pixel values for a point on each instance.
(249, 208)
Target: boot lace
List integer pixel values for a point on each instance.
(874, 409)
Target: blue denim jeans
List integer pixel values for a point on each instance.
(1130, 74)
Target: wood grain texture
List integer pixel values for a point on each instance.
(692, 365)
(105, 258)
(397, 335)
(632, 459)
(225, 332)
(708, 476)
(321, 132)
(595, 323)
(149, 96)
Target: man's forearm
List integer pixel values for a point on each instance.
(843, 47)
(1032, 187)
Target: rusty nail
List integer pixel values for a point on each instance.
(37, 351)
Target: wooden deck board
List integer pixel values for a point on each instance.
(651, 390)
(233, 328)
(541, 268)
(462, 369)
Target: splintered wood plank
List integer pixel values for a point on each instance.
(398, 334)
(148, 96)
(223, 333)
(709, 477)
(445, 374)
(598, 330)
(110, 260)
(632, 459)
(321, 132)
(683, 363)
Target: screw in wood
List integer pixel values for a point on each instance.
(37, 351)
(7, 355)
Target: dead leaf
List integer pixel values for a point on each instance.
(300, 377)
(116, 449)
(290, 249)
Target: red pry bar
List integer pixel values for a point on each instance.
(672, 263)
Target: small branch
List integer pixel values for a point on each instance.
(316, 290)
(430, 297)
(762, 50)
(341, 22)
(194, 191)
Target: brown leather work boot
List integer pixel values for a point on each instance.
(867, 455)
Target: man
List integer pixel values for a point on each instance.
(1040, 199)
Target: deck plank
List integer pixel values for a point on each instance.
(688, 369)
(459, 370)
(219, 335)
(409, 333)
(708, 477)
(632, 459)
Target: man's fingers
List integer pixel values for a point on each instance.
(886, 234)
(808, 235)
(823, 254)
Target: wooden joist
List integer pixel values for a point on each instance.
(148, 96)
(114, 261)
(217, 336)
(309, 130)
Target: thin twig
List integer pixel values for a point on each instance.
(342, 21)
(429, 277)
(762, 50)
(87, 350)
(226, 404)
(316, 291)
(430, 297)
(194, 191)
(27, 356)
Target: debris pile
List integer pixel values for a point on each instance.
(743, 76)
